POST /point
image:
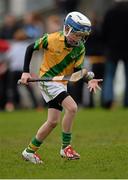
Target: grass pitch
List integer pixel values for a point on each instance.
(101, 138)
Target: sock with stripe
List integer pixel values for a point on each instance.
(33, 146)
(66, 139)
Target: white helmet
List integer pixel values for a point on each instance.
(77, 22)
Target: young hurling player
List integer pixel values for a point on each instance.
(63, 54)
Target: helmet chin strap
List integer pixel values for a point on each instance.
(85, 39)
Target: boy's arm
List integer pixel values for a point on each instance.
(38, 44)
(28, 55)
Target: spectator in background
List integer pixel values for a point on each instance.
(9, 27)
(15, 56)
(95, 52)
(33, 25)
(115, 37)
(53, 23)
(4, 46)
(66, 6)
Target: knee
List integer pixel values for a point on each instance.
(52, 124)
(73, 108)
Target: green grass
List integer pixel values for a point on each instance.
(101, 137)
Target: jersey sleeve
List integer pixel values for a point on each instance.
(41, 43)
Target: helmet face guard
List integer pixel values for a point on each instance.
(79, 25)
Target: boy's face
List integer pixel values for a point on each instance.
(75, 38)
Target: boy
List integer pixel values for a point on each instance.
(63, 54)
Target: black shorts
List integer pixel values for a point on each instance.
(56, 103)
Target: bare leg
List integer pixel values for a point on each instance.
(70, 110)
(52, 120)
(70, 107)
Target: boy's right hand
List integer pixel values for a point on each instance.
(25, 76)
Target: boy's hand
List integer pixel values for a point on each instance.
(93, 85)
(25, 76)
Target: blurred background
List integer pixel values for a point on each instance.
(24, 21)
